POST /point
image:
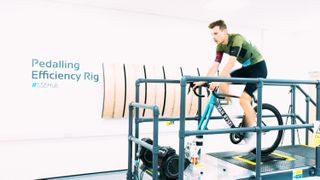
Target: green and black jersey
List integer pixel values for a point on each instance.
(239, 47)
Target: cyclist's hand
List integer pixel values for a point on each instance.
(214, 86)
(197, 84)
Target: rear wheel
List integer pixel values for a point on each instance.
(270, 140)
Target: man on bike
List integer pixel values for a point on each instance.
(253, 66)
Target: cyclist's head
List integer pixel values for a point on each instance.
(219, 31)
(220, 23)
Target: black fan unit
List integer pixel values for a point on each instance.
(168, 160)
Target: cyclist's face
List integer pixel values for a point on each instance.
(218, 35)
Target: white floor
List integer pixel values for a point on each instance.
(42, 158)
(32, 159)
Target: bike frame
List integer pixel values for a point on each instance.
(206, 115)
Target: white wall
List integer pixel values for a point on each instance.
(91, 36)
(61, 128)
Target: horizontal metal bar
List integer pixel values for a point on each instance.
(273, 82)
(144, 119)
(246, 129)
(287, 115)
(239, 80)
(142, 143)
(170, 81)
(302, 121)
(250, 80)
(295, 126)
(288, 81)
(277, 84)
(220, 79)
(140, 105)
(147, 119)
(219, 131)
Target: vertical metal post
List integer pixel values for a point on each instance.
(183, 84)
(307, 119)
(318, 119)
(258, 143)
(293, 113)
(136, 125)
(199, 137)
(129, 172)
(318, 101)
(318, 161)
(155, 148)
(199, 105)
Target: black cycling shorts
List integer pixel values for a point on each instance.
(258, 70)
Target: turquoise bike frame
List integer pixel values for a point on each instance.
(207, 113)
(204, 120)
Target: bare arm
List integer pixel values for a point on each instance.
(225, 72)
(228, 67)
(213, 69)
(211, 72)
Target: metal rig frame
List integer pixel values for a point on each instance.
(294, 84)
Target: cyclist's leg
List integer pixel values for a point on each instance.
(249, 115)
(224, 88)
(258, 70)
(242, 72)
(245, 103)
(252, 71)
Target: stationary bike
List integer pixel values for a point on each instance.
(270, 117)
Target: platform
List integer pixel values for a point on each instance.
(287, 162)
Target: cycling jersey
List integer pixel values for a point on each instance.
(239, 47)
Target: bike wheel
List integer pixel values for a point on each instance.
(270, 140)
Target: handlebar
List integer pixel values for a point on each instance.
(214, 92)
(191, 85)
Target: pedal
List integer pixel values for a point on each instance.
(239, 135)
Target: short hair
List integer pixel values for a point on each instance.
(222, 25)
